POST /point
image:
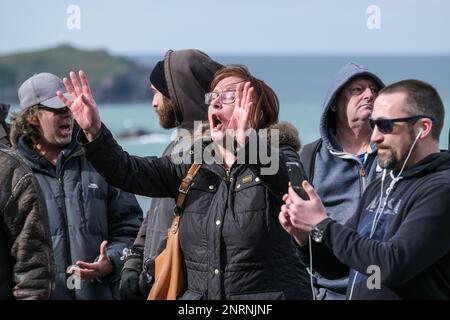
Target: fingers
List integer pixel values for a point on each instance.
(293, 196)
(283, 217)
(103, 249)
(69, 88)
(83, 274)
(73, 270)
(64, 100)
(87, 274)
(84, 83)
(288, 202)
(87, 265)
(244, 95)
(86, 101)
(246, 104)
(73, 87)
(75, 83)
(237, 101)
(249, 100)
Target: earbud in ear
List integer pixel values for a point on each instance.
(420, 133)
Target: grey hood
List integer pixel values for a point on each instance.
(344, 75)
(188, 75)
(337, 174)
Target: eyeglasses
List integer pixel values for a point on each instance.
(225, 97)
(387, 125)
(56, 111)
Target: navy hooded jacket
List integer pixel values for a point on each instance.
(83, 210)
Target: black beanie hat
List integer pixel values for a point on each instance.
(158, 79)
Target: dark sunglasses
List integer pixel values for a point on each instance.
(57, 111)
(387, 125)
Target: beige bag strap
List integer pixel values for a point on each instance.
(185, 186)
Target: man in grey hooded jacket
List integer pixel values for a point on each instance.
(179, 83)
(342, 162)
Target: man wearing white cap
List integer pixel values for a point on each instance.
(90, 221)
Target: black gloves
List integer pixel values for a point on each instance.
(133, 281)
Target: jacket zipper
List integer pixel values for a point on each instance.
(66, 222)
(227, 176)
(362, 170)
(63, 207)
(228, 203)
(80, 203)
(66, 229)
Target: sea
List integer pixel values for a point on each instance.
(301, 83)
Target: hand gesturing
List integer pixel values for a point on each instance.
(98, 269)
(242, 107)
(298, 216)
(83, 106)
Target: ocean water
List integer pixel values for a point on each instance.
(300, 83)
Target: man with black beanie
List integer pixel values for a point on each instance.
(158, 79)
(179, 83)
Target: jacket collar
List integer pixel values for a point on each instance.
(37, 162)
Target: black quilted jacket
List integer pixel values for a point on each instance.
(233, 244)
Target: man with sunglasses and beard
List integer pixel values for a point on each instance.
(91, 222)
(342, 163)
(397, 244)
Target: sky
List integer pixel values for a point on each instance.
(291, 27)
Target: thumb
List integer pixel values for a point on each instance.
(309, 190)
(103, 249)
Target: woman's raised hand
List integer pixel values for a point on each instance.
(242, 108)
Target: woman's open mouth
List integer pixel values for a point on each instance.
(217, 124)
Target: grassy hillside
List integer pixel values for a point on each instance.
(112, 78)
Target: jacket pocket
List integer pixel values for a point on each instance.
(249, 197)
(191, 295)
(93, 207)
(200, 196)
(275, 295)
